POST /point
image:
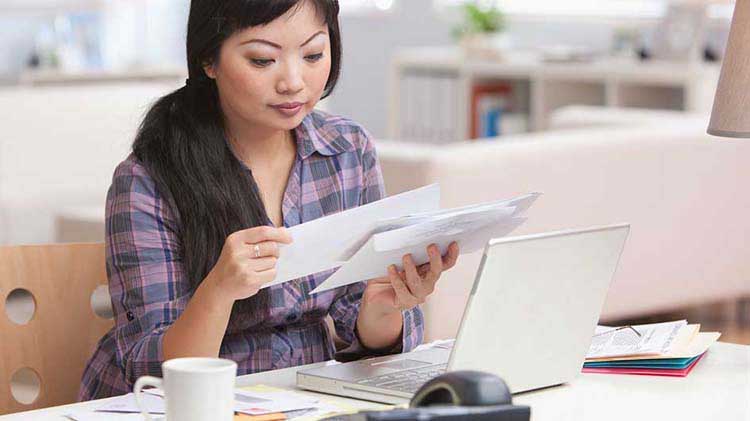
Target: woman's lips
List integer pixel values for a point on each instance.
(289, 109)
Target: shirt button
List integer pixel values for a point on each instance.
(130, 316)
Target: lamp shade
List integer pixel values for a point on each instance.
(731, 112)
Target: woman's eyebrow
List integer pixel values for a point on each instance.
(273, 44)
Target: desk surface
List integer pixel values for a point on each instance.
(718, 388)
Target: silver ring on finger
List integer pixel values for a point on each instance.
(256, 249)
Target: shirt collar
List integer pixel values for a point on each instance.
(316, 134)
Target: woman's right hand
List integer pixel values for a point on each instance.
(248, 261)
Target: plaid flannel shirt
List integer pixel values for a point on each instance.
(336, 168)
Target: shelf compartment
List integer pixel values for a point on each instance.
(650, 96)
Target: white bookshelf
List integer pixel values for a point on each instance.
(430, 88)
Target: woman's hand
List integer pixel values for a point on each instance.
(403, 290)
(248, 261)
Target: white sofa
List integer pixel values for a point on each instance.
(685, 194)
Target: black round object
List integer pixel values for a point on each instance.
(463, 388)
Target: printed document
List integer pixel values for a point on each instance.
(650, 339)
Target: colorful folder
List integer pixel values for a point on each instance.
(679, 370)
(689, 348)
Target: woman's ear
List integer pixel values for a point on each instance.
(209, 69)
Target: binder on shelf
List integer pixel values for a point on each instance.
(489, 101)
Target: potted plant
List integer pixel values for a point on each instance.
(481, 32)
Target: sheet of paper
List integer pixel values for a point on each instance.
(261, 403)
(368, 263)
(516, 206)
(442, 226)
(699, 345)
(328, 242)
(86, 415)
(650, 339)
(328, 405)
(520, 204)
(267, 417)
(126, 403)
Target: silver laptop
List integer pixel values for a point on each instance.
(530, 317)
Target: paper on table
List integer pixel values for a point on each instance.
(87, 415)
(699, 345)
(126, 403)
(261, 403)
(267, 417)
(654, 339)
(681, 340)
(323, 244)
(368, 263)
(328, 405)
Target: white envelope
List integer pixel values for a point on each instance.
(451, 226)
(328, 242)
(470, 226)
(369, 263)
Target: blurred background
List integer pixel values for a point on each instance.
(54, 41)
(601, 105)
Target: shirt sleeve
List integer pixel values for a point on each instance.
(345, 308)
(147, 284)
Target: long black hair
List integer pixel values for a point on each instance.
(182, 139)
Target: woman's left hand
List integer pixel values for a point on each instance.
(410, 287)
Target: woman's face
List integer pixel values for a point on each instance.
(271, 76)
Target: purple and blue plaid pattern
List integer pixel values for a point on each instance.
(336, 169)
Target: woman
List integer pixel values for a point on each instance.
(196, 213)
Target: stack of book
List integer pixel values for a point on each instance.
(495, 111)
(659, 349)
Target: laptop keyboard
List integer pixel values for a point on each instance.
(407, 380)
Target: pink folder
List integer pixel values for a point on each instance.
(644, 371)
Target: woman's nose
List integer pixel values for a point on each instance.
(291, 81)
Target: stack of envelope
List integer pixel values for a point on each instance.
(362, 242)
(660, 349)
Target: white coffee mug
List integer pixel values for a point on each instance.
(195, 389)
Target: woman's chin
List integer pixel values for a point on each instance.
(289, 123)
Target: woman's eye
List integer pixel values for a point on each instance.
(261, 62)
(314, 57)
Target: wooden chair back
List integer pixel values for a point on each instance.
(56, 342)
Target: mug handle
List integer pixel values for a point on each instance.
(139, 384)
